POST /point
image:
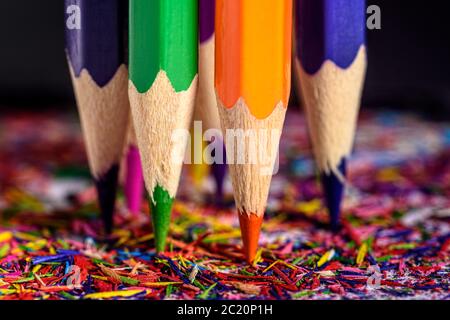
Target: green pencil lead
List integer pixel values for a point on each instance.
(161, 207)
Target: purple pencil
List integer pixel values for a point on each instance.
(206, 106)
(96, 50)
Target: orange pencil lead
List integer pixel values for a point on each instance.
(250, 229)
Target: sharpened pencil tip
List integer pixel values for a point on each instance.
(161, 212)
(334, 191)
(106, 190)
(250, 230)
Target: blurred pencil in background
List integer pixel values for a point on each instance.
(134, 180)
(206, 103)
(198, 170)
(253, 74)
(162, 89)
(331, 65)
(96, 49)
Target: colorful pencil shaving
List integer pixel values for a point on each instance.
(394, 243)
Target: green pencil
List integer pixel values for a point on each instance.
(162, 89)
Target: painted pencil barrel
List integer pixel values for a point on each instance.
(207, 10)
(96, 37)
(331, 30)
(253, 53)
(164, 36)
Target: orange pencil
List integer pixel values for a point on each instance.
(253, 75)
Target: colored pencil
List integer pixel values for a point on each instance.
(253, 74)
(331, 65)
(96, 52)
(198, 170)
(162, 89)
(134, 180)
(206, 106)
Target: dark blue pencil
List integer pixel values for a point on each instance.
(331, 65)
(96, 45)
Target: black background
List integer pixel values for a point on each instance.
(409, 59)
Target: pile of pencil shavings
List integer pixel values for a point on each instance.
(394, 244)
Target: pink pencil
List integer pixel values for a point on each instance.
(134, 178)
